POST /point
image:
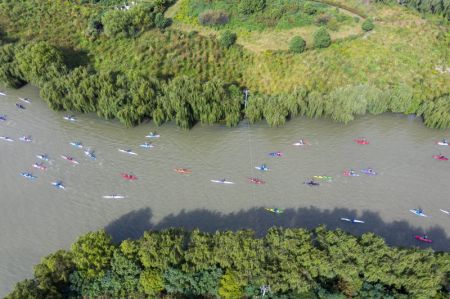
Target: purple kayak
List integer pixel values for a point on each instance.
(368, 171)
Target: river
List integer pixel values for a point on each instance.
(37, 219)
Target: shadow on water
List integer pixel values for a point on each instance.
(398, 233)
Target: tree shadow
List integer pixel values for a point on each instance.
(398, 233)
(74, 58)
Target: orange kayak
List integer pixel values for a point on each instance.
(183, 170)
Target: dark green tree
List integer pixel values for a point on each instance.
(367, 25)
(297, 44)
(227, 39)
(322, 38)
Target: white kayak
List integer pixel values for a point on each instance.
(444, 211)
(70, 118)
(26, 138)
(26, 100)
(43, 157)
(146, 145)
(418, 213)
(113, 196)
(2, 93)
(262, 168)
(6, 138)
(128, 151)
(352, 220)
(76, 144)
(90, 154)
(58, 185)
(222, 182)
(151, 135)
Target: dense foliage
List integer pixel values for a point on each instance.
(440, 7)
(296, 263)
(322, 38)
(367, 25)
(297, 44)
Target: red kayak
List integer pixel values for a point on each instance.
(440, 157)
(423, 239)
(361, 141)
(183, 170)
(128, 177)
(256, 181)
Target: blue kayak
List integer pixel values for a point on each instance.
(28, 175)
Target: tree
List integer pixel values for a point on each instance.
(92, 253)
(230, 286)
(152, 282)
(161, 22)
(297, 44)
(367, 25)
(27, 289)
(117, 22)
(322, 38)
(227, 39)
(248, 7)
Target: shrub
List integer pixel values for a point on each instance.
(248, 7)
(297, 44)
(322, 38)
(367, 25)
(309, 8)
(213, 17)
(356, 19)
(227, 39)
(161, 22)
(116, 22)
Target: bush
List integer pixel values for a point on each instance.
(297, 44)
(116, 22)
(322, 19)
(309, 8)
(322, 38)
(213, 17)
(367, 25)
(227, 39)
(248, 7)
(356, 19)
(161, 22)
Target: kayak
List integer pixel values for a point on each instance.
(3, 117)
(6, 138)
(262, 168)
(25, 138)
(146, 145)
(151, 135)
(276, 154)
(323, 177)
(274, 210)
(444, 211)
(423, 239)
(311, 183)
(361, 141)
(70, 159)
(40, 166)
(20, 106)
(43, 157)
(256, 181)
(90, 154)
(442, 143)
(28, 175)
(2, 93)
(301, 143)
(127, 151)
(76, 144)
(352, 220)
(440, 157)
(58, 184)
(128, 177)
(113, 196)
(348, 173)
(222, 182)
(368, 171)
(182, 170)
(418, 213)
(70, 118)
(26, 100)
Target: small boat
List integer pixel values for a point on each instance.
(70, 118)
(442, 142)
(6, 138)
(301, 142)
(146, 145)
(3, 117)
(256, 181)
(361, 141)
(440, 157)
(368, 171)
(26, 100)
(444, 211)
(127, 151)
(2, 93)
(113, 196)
(274, 210)
(350, 173)
(26, 138)
(70, 159)
(28, 175)
(58, 185)
(418, 212)
(276, 154)
(323, 177)
(40, 166)
(90, 154)
(262, 167)
(423, 239)
(76, 144)
(222, 181)
(352, 220)
(183, 170)
(43, 157)
(20, 106)
(129, 177)
(153, 135)
(311, 183)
